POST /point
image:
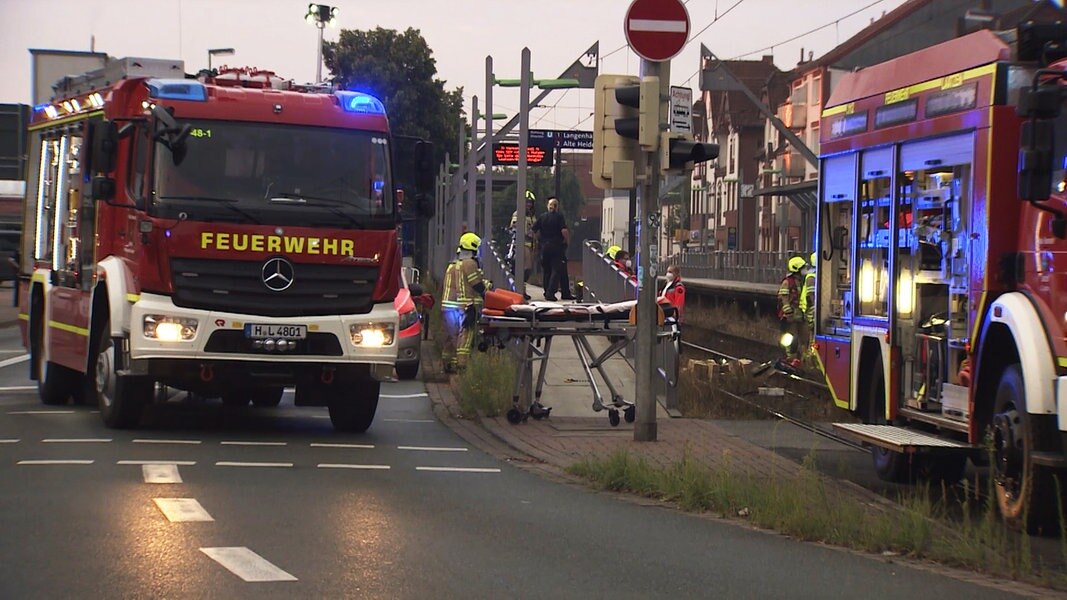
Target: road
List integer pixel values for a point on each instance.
(271, 503)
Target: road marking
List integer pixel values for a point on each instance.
(14, 360)
(226, 463)
(404, 396)
(9, 441)
(166, 441)
(19, 388)
(181, 463)
(182, 510)
(358, 446)
(253, 443)
(458, 469)
(430, 449)
(54, 462)
(410, 420)
(247, 565)
(76, 440)
(41, 412)
(346, 466)
(161, 474)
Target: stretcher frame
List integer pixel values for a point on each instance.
(530, 340)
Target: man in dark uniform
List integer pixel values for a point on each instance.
(551, 230)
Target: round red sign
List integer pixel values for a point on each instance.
(657, 30)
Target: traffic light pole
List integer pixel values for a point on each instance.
(647, 322)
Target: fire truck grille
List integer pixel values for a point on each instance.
(238, 286)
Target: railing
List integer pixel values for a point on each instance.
(495, 268)
(604, 282)
(733, 265)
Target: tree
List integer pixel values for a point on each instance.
(399, 69)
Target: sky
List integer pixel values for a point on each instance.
(272, 34)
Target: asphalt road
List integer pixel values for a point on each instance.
(272, 503)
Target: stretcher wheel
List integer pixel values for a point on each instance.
(613, 417)
(514, 416)
(538, 411)
(630, 414)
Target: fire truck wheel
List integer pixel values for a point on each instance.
(355, 413)
(121, 398)
(267, 397)
(1025, 491)
(888, 465)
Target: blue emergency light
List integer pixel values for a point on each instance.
(177, 89)
(358, 102)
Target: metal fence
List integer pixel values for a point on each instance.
(604, 282)
(495, 267)
(734, 265)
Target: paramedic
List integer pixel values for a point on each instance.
(789, 314)
(674, 292)
(464, 292)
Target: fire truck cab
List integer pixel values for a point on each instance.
(942, 312)
(229, 236)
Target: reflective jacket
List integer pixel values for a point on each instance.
(530, 220)
(789, 299)
(807, 297)
(461, 277)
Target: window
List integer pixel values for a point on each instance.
(835, 304)
(816, 91)
(873, 234)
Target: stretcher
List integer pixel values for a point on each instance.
(528, 330)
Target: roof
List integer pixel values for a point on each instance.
(976, 49)
(730, 106)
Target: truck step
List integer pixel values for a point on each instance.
(899, 439)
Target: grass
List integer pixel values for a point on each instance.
(485, 387)
(808, 508)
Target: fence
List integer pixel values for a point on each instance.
(604, 282)
(734, 265)
(495, 267)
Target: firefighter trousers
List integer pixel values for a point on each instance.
(459, 338)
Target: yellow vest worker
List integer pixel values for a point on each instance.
(463, 294)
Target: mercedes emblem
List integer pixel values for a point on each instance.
(278, 274)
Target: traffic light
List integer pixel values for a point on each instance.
(644, 97)
(613, 155)
(679, 149)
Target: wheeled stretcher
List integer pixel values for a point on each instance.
(529, 329)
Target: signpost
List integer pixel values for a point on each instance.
(564, 139)
(681, 109)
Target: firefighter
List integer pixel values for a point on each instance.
(790, 315)
(464, 293)
(531, 218)
(807, 298)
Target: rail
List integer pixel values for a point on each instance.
(604, 282)
(496, 268)
(730, 265)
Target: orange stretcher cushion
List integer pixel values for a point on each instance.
(502, 299)
(492, 312)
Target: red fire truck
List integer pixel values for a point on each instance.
(942, 299)
(229, 236)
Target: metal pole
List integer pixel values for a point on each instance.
(318, 53)
(559, 172)
(487, 205)
(472, 172)
(631, 225)
(645, 367)
(526, 392)
(458, 180)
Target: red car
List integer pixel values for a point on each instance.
(409, 303)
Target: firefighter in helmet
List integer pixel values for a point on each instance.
(807, 297)
(463, 295)
(790, 315)
(531, 218)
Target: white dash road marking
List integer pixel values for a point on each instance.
(253, 443)
(226, 463)
(7, 362)
(161, 474)
(399, 396)
(76, 441)
(457, 469)
(54, 462)
(357, 446)
(9, 441)
(181, 463)
(430, 449)
(657, 25)
(149, 441)
(19, 388)
(410, 420)
(247, 565)
(182, 510)
(41, 412)
(346, 466)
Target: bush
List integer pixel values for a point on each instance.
(487, 385)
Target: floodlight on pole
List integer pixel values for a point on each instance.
(218, 52)
(320, 15)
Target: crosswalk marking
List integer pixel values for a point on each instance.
(182, 510)
(55, 462)
(349, 466)
(161, 474)
(458, 469)
(430, 449)
(357, 446)
(226, 463)
(247, 565)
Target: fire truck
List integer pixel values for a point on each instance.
(228, 235)
(942, 300)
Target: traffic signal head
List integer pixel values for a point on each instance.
(643, 124)
(677, 150)
(613, 155)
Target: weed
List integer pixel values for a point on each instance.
(486, 386)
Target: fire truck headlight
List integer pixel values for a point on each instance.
(169, 329)
(372, 335)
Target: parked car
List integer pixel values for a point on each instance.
(409, 339)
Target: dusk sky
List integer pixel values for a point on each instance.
(272, 34)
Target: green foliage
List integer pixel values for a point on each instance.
(400, 70)
(486, 386)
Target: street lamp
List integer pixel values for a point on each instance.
(217, 52)
(320, 15)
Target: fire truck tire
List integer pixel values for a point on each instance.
(56, 384)
(407, 371)
(888, 465)
(121, 397)
(267, 397)
(355, 413)
(1026, 492)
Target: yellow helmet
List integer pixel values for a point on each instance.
(796, 264)
(612, 251)
(814, 258)
(530, 197)
(469, 241)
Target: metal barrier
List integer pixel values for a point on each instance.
(604, 282)
(495, 267)
(666, 360)
(732, 265)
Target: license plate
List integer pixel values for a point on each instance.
(257, 331)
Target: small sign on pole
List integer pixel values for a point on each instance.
(681, 109)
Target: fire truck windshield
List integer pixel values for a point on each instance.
(278, 173)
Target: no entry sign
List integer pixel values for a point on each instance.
(657, 30)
